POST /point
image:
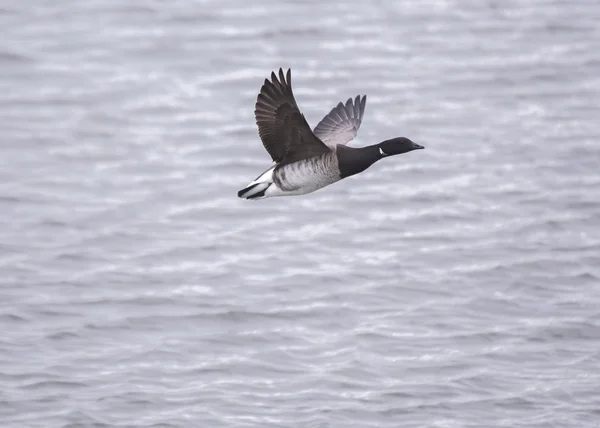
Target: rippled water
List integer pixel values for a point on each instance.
(457, 286)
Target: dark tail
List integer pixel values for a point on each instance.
(255, 191)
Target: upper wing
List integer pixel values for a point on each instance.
(282, 128)
(342, 123)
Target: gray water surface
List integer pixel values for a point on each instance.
(458, 286)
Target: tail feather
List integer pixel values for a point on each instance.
(254, 191)
(257, 188)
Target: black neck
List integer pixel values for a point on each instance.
(354, 160)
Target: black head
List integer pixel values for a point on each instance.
(396, 146)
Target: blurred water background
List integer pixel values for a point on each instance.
(457, 286)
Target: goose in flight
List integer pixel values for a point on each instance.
(307, 160)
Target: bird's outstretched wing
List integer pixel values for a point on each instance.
(282, 128)
(342, 123)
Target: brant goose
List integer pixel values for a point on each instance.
(307, 160)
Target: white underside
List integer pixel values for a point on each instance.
(266, 178)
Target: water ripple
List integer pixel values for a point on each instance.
(443, 288)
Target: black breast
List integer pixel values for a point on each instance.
(352, 161)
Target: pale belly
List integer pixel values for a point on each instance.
(301, 178)
(303, 189)
(298, 178)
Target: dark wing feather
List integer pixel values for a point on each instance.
(282, 128)
(341, 124)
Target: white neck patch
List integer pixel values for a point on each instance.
(382, 152)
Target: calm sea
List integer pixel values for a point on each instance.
(458, 286)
